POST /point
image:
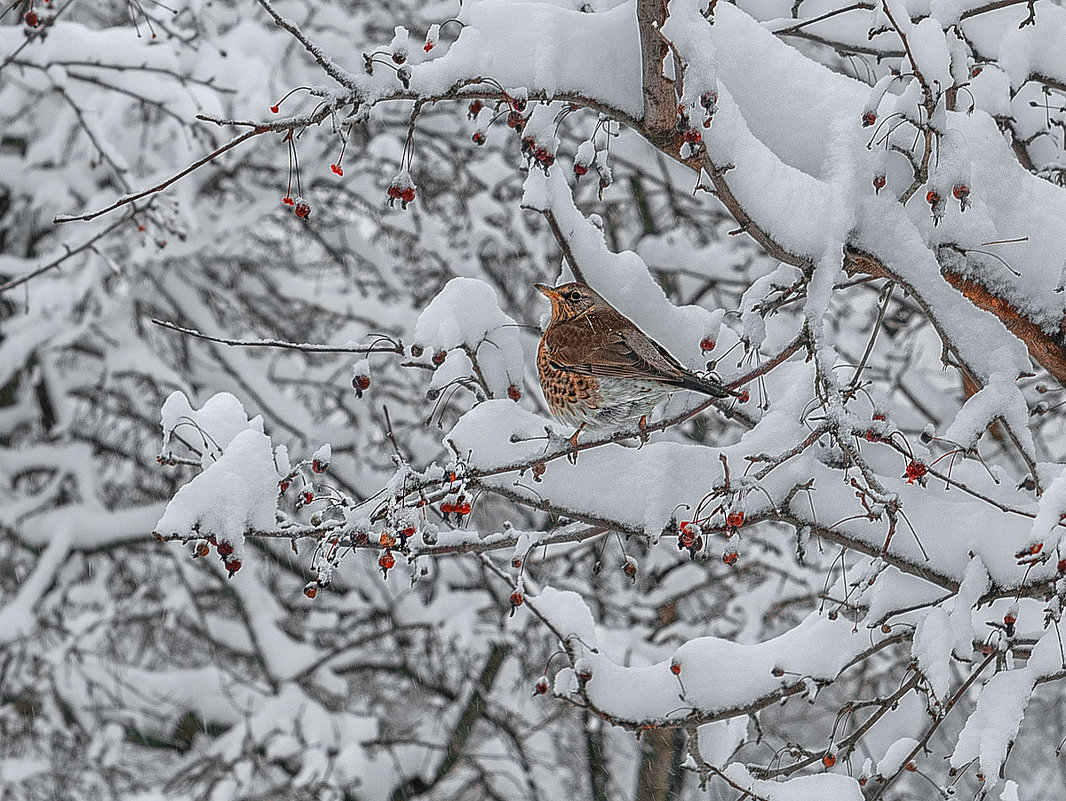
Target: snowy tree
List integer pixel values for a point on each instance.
(283, 512)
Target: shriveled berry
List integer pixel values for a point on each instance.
(386, 540)
(31, 19)
(931, 197)
(960, 191)
(232, 565)
(475, 109)
(580, 169)
(516, 121)
(730, 557)
(868, 119)
(407, 194)
(708, 99)
(879, 182)
(302, 210)
(311, 589)
(514, 393)
(517, 599)
(336, 169)
(735, 519)
(288, 201)
(202, 549)
(630, 568)
(224, 548)
(439, 357)
(361, 382)
(478, 138)
(542, 686)
(692, 136)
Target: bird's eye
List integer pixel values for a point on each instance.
(574, 296)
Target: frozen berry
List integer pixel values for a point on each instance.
(868, 119)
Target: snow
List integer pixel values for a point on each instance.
(234, 494)
(893, 759)
(993, 725)
(210, 428)
(824, 787)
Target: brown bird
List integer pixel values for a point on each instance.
(598, 369)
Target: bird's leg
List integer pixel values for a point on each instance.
(572, 456)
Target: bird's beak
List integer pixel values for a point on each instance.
(547, 291)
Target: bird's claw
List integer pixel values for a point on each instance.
(572, 440)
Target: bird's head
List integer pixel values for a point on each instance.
(571, 300)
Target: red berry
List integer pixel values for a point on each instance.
(407, 532)
(307, 497)
(931, 197)
(427, 46)
(518, 103)
(706, 344)
(275, 109)
(1036, 548)
(630, 568)
(868, 119)
(399, 57)
(976, 71)
(879, 416)
(462, 508)
(829, 760)
(232, 565)
(386, 540)
(362, 382)
(395, 191)
(675, 668)
(580, 169)
(318, 466)
(224, 548)
(439, 357)
(475, 109)
(386, 561)
(202, 549)
(336, 169)
(708, 99)
(1010, 619)
(140, 228)
(516, 121)
(407, 194)
(514, 393)
(284, 485)
(31, 19)
(1062, 566)
(311, 589)
(302, 210)
(687, 534)
(744, 396)
(693, 136)
(735, 519)
(288, 201)
(915, 470)
(879, 182)
(730, 557)
(517, 599)
(478, 138)
(911, 767)
(961, 191)
(447, 508)
(516, 563)
(541, 686)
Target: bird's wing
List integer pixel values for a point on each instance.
(609, 345)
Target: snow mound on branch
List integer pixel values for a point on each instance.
(558, 50)
(994, 724)
(237, 493)
(823, 787)
(467, 314)
(1001, 398)
(892, 761)
(209, 429)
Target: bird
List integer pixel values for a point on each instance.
(597, 369)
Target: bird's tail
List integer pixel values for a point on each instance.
(707, 386)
